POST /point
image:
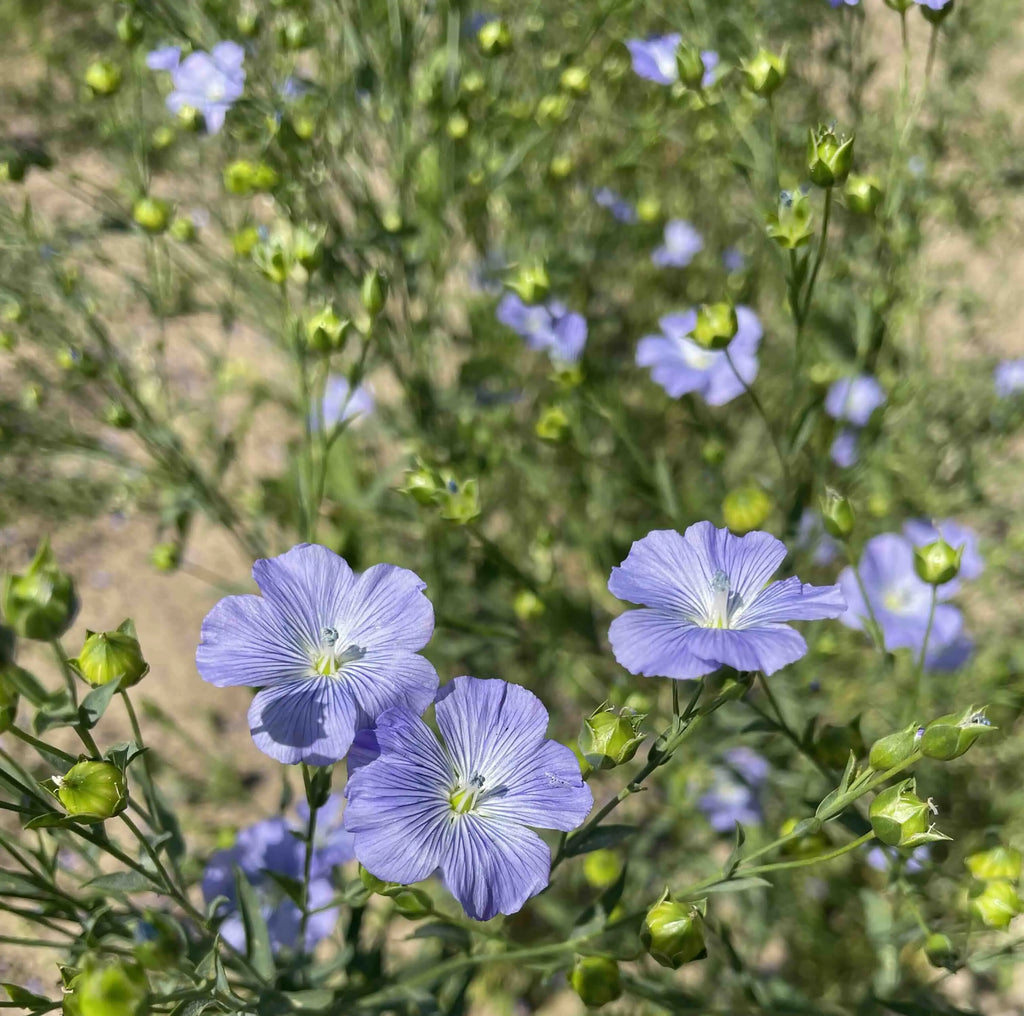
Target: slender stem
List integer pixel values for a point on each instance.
(40, 746)
(807, 861)
(919, 670)
(876, 630)
(307, 866)
(760, 412)
(933, 46)
(147, 787)
(66, 671)
(819, 256)
(787, 729)
(32, 943)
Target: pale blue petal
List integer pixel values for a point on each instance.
(664, 569)
(653, 644)
(792, 600)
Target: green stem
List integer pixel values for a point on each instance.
(65, 669)
(875, 629)
(759, 407)
(919, 670)
(41, 746)
(819, 256)
(307, 866)
(804, 862)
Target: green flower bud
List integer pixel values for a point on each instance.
(790, 226)
(92, 791)
(129, 28)
(602, 868)
(8, 703)
(596, 980)
(32, 397)
(40, 603)
(575, 80)
(244, 241)
(110, 988)
(423, 485)
(690, 64)
(998, 863)
(648, 209)
(553, 424)
(117, 415)
(238, 176)
(103, 77)
(901, 819)
(531, 283)
(165, 557)
(936, 17)
(110, 656)
(610, 737)
(716, 326)
(829, 157)
(494, 38)
(460, 502)
(472, 83)
(374, 292)
(765, 72)
(293, 32)
(552, 109)
(837, 514)
(190, 119)
(951, 735)
(893, 749)
(673, 932)
(937, 563)
(248, 21)
(71, 358)
(161, 138)
(863, 194)
(307, 245)
(560, 167)
(940, 951)
(152, 214)
(8, 341)
(457, 126)
(183, 229)
(746, 508)
(996, 905)
(326, 332)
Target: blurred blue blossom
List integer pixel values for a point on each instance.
(1009, 378)
(728, 801)
(812, 537)
(844, 451)
(166, 58)
(465, 805)
(733, 259)
(707, 602)
(839, 3)
(620, 208)
(654, 59)
(680, 366)
(339, 405)
(272, 848)
(682, 244)
(886, 858)
(329, 648)
(551, 327)
(854, 399)
(935, 5)
(208, 82)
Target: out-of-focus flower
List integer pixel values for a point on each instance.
(733, 794)
(680, 366)
(840, 3)
(330, 649)
(615, 203)
(209, 83)
(733, 260)
(844, 451)
(811, 536)
(465, 805)
(853, 399)
(551, 327)
(164, 59)
(272, 848)
(1009, 378)
(707, 603)
(888, 858)
(654, 59)
(340, 403)
(682, 244)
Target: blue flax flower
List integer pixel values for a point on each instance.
(464, 806)
(615, 203)
(853, 399)
(339, 405)
(682, 244)
(901, 602)
(1009, 378)
(733, 794)
(274, 847)
(551, 327)
(812, 538)
(654, 59)
(330, 648)
(844, 451)
(209, 82)
(707, 603)
(680, 366)
(166, 58)
(921, 532)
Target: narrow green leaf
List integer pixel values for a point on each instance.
(122, 881)
(94, 705)
(24, 997)
(257, 938)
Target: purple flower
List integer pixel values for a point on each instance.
(733, 260)
(885, 858)
(465, 805)
(900, 600)
(728, 801)
(706, 604)
(339, 405)
(921, 532)
(209, 82)
(812, 537)
(654, 59)
(682, 244)
(853, 399)
(746, 763)
(272, 848)
(551, 326)
(1009, 378)
(164, 59)
(839, 3)
(680, 366)
(935, 5)
(330, 648)
(620, 208)
(844, 448)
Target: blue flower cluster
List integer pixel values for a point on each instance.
(209, 83)
(550, 327)
(852, 401)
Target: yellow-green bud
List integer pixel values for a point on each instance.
(8, 341)
(103, 77)
(92, 791)
(527, 605)
(673, 932)
(307, 246)
(531, 282)
(494, 38)
(610, 737)
(863, 194)
(936, 17)
(326, 332)
(746, 508)
(374, 292)
(245, 240)
(790, 225)
(552, 109)
(457, 126)
(998, 863)
(238, 176)
(129, 28)
(152, 214)
(829, 157)
(460, 502)
(837, 514)
(560, 166)
(949, 736)
(575, 80)
(165, 557)
(472, 83)
(765, 72)
(183, 229)
(940, 951)
(553, 424)
(190, 119)
(996, 905)
(893, 749)
(110, 989)
(690, 64)
(596, 980)
(937, 563)
(71, 358)
(901, 819)
(602, 868)
(13, 168)
(423, 485)
(161, 138)
(716, 325)
(248, 21)
(648, 209)
(293, 32)
(111, 655)
(41, 602)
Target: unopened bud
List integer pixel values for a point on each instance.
(602, 868)
(790, 225)
(293, 32)
(894, 749)
(40, 603)
(374, 292)
(998, 863)
(837, 514)
(716, 325)
(575, 80)
(863, 194)
(553, 424)
(996, 905)
(746, 508)
(901, 819)
(92, 791)
(117, 415)
(690, 65)
(460, 502)
(182, 229)
(937, 563)
(596, 980)
(673, 932)
(531, 283)
(152, 214)
(111, 656)
(129, 28)
(103, 77)
(107, 988)
(165, 557)
(610, 737)
(829, 157)
(765, 72)
(949, 736)
(494, 38)
(326, 332)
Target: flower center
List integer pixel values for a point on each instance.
(332, 657)
(465, 794)
(697, 358)
(719, 613)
